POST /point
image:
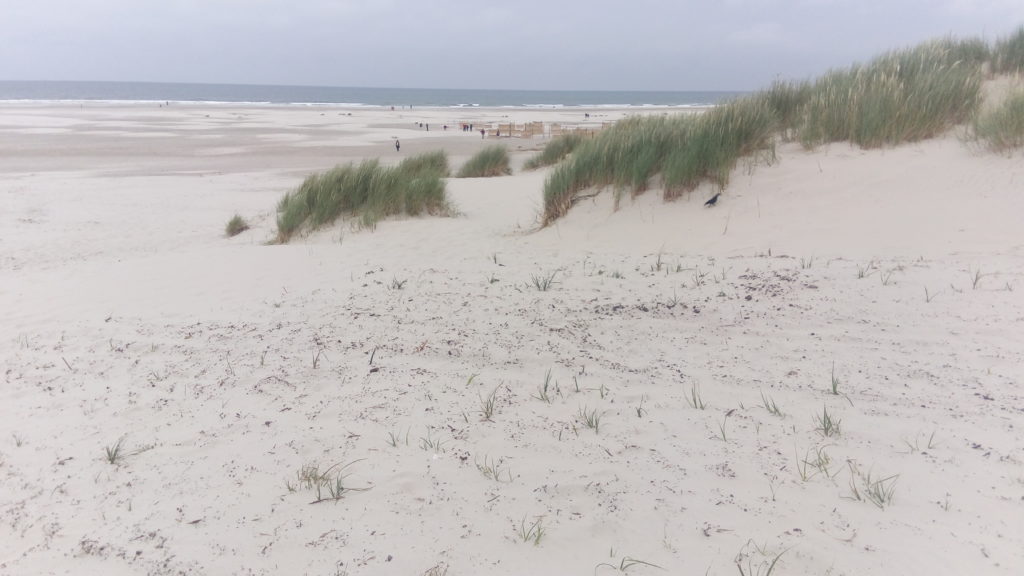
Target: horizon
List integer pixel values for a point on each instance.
(154, 82)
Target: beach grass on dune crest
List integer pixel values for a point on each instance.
(685, 150)
(901, 96)
(1008, 54)
(554, 151)
(491, 161)
(1001, 129)
(366, 191)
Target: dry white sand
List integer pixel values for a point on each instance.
(226, 365)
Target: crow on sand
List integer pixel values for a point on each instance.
(713, 200)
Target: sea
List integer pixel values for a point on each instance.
(140, 92)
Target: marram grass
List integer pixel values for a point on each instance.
(1001, 129)
(235, 226)
(901, 96)
(554, 151)
(1008, 54)
(491, 161)
(367, 192)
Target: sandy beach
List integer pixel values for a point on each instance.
(690, 355)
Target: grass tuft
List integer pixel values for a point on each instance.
(533, 533)
(543, 282)
(827, 425)
(1001, 129)
(694, 399)
(489, 162)
(1008, 54)
(235, 226)
(115, 453)
(328, 484)
(554, 152)
(625, 564)
(901, 96)
(591, 419)
(770, 405)
(368, 192)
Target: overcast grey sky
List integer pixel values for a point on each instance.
(525, 44)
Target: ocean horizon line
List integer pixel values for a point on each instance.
(48, 91)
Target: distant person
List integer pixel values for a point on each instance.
(398, 145)
(482, 133)
(428, 126)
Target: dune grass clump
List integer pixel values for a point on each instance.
(685, 150)
(555, 151)
(489, 162)
(1008, 54)
(1001, 129)
(426, 164)
(625, 156)
(235, 226)
(901, 96)
(717, 140)
(367, 191)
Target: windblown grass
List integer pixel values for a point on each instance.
(235, 226)
(685, 150)
(367, 191)
(901, 96)
(1008, 54)
(555, 151)
(491, 161)
(1002, 128)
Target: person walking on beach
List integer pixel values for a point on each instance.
(398, 145)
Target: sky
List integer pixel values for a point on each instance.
(490, 44)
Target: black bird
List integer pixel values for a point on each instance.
(713, 200)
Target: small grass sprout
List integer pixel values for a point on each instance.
(827, 425)
(770, 405)
(394, 439)
(544, 390)
(625, 564)
(533, 533)
(492, 470)
(880, 491)
(487, 405)
(590, 418)
(115, 452)
(329, 484)
(640, 410)
(976, 278)
(543, 282)
(722, 424)
(764, 568)
(431, 444)
(694, 399)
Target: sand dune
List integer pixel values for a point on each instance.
(227, 365)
